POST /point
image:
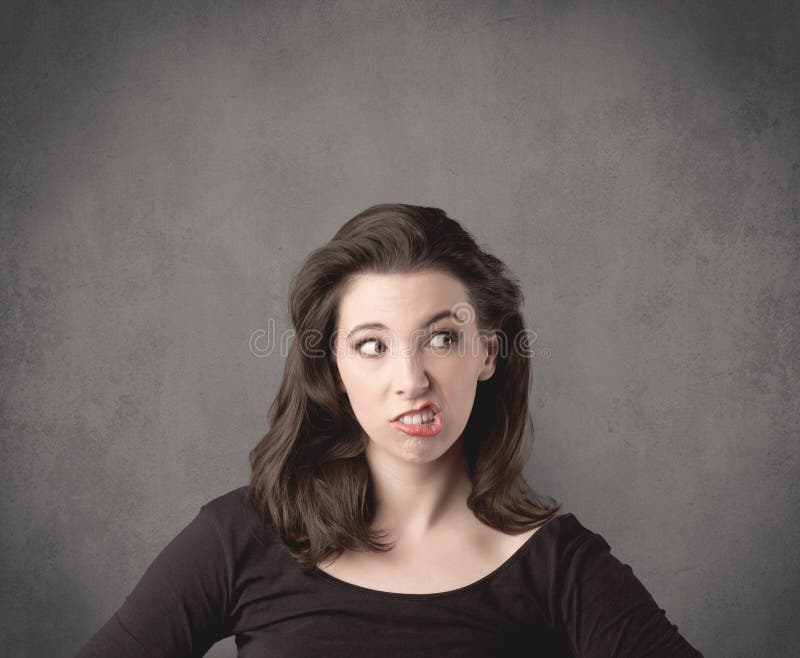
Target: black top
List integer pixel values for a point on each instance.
(562, 593)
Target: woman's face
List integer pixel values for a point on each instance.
(402, 359)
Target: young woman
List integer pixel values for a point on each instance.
(387, 513)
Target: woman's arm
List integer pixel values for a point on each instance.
(179, 606)
(606, 611)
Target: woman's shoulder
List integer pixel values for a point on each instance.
(237, 519)
(564, 524)
(228, 502)
(557, 540)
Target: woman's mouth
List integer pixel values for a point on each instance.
(423, 423)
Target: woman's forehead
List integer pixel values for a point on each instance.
(399, 299)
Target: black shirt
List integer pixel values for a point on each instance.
(562, 593)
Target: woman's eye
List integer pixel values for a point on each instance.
(371, 350)
(443, 340)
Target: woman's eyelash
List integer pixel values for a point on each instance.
(452, 335)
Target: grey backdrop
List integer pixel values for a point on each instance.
(167, 166)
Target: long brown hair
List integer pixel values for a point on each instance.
(309, 476)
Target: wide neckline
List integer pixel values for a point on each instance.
(515, 556)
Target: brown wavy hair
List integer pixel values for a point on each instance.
(309, 475)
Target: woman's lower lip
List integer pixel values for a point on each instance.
(423, 429)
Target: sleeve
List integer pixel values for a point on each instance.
(178, 607)
(604, 609)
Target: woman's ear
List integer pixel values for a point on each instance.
(492, 345)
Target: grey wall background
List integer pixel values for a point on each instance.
(166, 166)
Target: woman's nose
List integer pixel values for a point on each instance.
(411, 378)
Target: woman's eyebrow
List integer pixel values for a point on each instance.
(378, 325)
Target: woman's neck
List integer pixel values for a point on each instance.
(413, 501)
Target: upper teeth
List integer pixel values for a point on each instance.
(424, 416)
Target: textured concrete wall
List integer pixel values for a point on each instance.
(166, 165)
